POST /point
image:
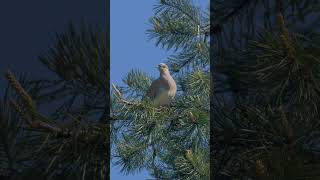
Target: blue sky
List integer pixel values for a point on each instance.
(131, 49)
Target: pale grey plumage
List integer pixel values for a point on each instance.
(163, 89)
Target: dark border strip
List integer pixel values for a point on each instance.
(108, 86)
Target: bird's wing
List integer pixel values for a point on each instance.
(152, 91)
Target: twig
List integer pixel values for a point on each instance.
(18, 88)
(120, 98)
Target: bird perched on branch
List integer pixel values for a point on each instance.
(163, 89)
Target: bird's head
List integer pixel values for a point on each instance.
(163, 68)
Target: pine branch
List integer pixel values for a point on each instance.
(180, 6)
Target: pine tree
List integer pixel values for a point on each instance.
(266, 93)
(171, 142)
(71, 142)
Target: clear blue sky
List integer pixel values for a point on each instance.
(130, 48)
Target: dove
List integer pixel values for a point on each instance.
(163, 89)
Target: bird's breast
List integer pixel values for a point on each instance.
(163, 96)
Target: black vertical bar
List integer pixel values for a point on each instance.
(108, 86)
